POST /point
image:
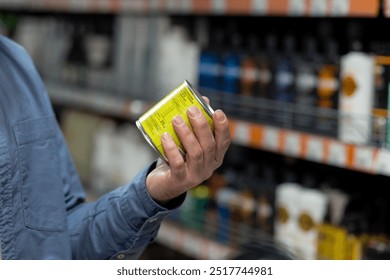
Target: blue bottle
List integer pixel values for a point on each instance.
(230, 86)
(210, 63)
(283, 92)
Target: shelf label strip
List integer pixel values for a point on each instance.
(382, 162)
(259, 7)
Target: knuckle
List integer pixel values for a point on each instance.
(176, 163)
(196, 155)
(210, 146)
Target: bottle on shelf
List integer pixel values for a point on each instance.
(306, 81)
(356, 98)
(266, 79)
(231, 62)
(380, 112)
(328, 90)
(357, 91)
(210, 66)
(249, 81)
(283, 88)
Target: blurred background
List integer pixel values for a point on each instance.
(305, 84)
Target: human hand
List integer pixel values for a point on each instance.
(205, 151)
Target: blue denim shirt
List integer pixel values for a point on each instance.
(43, 214)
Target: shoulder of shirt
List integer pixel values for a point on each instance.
(10, 46)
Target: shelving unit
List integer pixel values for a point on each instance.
(335, 8)
(193, 243)
(311, 147)
(287, 142)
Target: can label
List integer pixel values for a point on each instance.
(158, 120)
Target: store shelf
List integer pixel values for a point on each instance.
(311, 147)
(96, 101)
(321, 149)
(335, 8)
(192, 243)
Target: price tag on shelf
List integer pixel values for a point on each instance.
(133, 6)
(77, 5)
(154, 5)
(219, 6)
(297, 7)
(271, 139)
(292, 145)
(242, 133)
(260, 7)
(173, 5)
(318, 7)
(382, 162)
(340, 7)
(186, 6)
(364, 158)
(38, 3)
(102, 5)
(11, 3)
(337, 154)
(315, 149)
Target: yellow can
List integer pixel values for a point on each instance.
(158, 120)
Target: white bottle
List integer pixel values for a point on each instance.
(311, 208)
(286, 222)
(356, 97)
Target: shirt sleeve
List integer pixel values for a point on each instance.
(119, 225)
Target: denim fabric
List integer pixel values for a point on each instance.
(43, 213)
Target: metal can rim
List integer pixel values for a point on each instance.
(208, 109)
(150, 142)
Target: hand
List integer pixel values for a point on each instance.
(205, 153)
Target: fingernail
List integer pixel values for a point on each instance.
(220, 116)
(194, 111)
(178, 120)
(166, 136)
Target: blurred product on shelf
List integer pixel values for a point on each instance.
(380, 113)
(286, 223)
(283, 91)
(113, 161)
(8, 23)
(249, 78)
(328, 90)
(103, 151)
(210, 61)
(306, 71)
(178, 56)
(231, 60)
(79, 130)
(356, 98)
